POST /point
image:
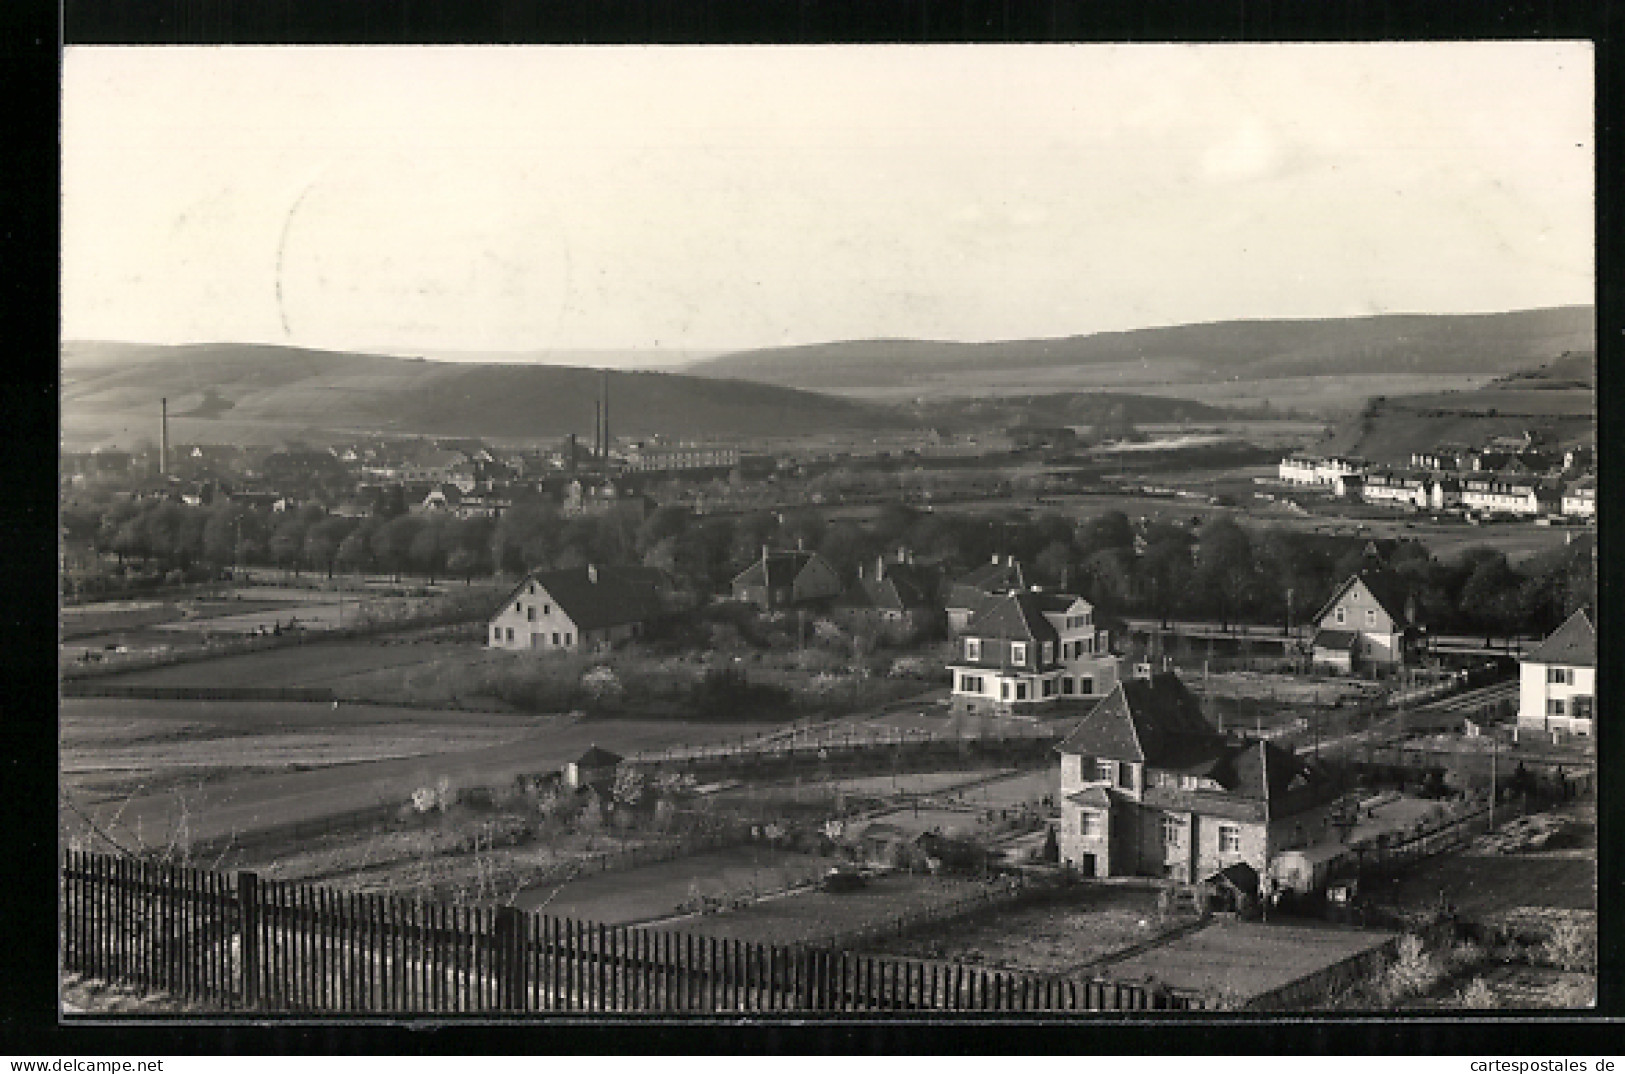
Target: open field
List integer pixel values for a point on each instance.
(1485, 887)
(1063, 938)
(655, 891)
(1244, 959)
(239, 798)
(335, 664)
(813, 916)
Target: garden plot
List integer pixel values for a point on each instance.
(815, 916)
(1241, 960)
(302, 749)
(671, 888)
(1070, 937)
(1285, 689)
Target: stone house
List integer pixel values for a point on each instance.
(1150, 788)
(972, 593)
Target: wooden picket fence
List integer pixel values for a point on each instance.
(239, 942)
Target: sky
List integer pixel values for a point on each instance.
(694, 200)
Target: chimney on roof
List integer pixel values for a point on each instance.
(995, 559)
(880, 568)
(592, 574)
(801, 544)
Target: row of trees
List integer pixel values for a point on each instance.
(1221, 570)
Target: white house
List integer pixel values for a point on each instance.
(1558, 681)
(1580, 498)
(1334, 467)
(582, 609)
(1365, 623)
(1026, 650)
(1389, 489)
(1517, 496)
(1299, 470)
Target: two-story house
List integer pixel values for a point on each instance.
(1150, 788)
(1392, 489)
(1366, 623)
(586, 608)
(1027, 650)
(1557, 687)
(895, 597)
(1580, 498)
(781, 580)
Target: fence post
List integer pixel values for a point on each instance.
(509, 959)
(248, 932)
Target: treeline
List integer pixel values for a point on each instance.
(1221, 570)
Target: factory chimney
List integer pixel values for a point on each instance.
(163, 438)
(606, 420)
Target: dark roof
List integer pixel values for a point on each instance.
(1335, 639)
(904, 588)
(1388, 588)
(1575, 642)
(598, 757)
(1156, 721)
(1240, 875)
(1019, 616)
(781, 569)
(619, 595)
(968, 596)
(996, 577)
(1095, 797)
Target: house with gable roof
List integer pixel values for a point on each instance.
(581, 609)
(894, 596)
(780, 580)
(1367, 623)
(975, 591)
(1027, 650)
(1557, 682)
(1150, 788)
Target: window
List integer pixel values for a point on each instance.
(1562, 676)
(496, 633)
(1004, 691)
(1371, 617)
(1554, 707)
(530, 613)
(1086, 684)
(555, 637)
(1105, 771)
(567, 637)
(1170, 830)
(1021, 691)
(1125, 776)
(1066, 684)
(510, 633)
(533, 589)
(547, 609)
(1187, 783)
(973, 648)
(1229, 839)
(1341, 615)
(1089, 825)
(1018, 652)
(1049, 653)
(518, 605)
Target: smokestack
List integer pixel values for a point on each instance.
(163, 438)
(597, 425)
(606, 418)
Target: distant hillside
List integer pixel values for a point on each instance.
(242, 390)
(1247, 350)
(1063, 408)
(1558, 397)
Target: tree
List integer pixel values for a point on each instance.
(629, 786)
(427, 550)
(1054, 562)
(1489, 597)
(463, 562)
(392, 542)
(1224, 572)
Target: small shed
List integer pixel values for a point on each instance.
(1336, 648)
(595, 768)
(1234, 888)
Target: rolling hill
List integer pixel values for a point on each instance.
(1401, 344)
(226, 392)
(1559, 397)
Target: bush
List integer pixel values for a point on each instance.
(1571, 947)
(1413, 971)
(1477, 995)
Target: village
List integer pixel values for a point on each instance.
(854, 739)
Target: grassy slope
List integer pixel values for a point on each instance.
(1246, 349)
(109, 384)
(1552, 398)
